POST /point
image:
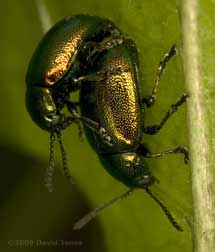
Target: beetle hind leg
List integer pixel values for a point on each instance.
(177, 150)
(154, 129)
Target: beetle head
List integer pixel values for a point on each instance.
(130, 168)
(42, 108)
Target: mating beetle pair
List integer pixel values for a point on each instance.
(89, 53)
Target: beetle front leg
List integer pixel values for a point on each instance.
(97, 47)
(115, 40)
(179, 150)
(151, 130)
(73, 110)
(149, 100)
(80, 120)
(97, 128)
(88, 78)
(98, 76)
(91, 49)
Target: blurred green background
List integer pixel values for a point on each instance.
(28, 212)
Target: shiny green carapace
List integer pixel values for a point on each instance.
(56, 70)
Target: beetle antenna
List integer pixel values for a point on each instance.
(91, 215)
(164, 208)
(64, 158)
(50, 169)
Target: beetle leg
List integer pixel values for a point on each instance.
(112, 37)
(92, 49)
(89, 77)
(151, 130)
(101, 47)
(80, 120)
(179, 150)
(149, 100)
(114, 41)
(97, 128)
(73, 110)
(98, 47)
(99, 76)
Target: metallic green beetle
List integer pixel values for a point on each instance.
(54, 72)
(115, 102)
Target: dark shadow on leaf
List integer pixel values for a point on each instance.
(34, 218)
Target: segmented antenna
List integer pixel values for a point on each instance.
(50, 169)
(64, 158)
(164, 208)
(91, 215)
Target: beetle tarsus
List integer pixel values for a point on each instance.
(154, 129)
(106, 138)
(101, 131)
(178, 150)
(183, 150)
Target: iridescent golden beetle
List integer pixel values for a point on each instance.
(55, 70)
(115, 102)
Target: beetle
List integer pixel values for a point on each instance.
(115, 101)
(54, 72)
